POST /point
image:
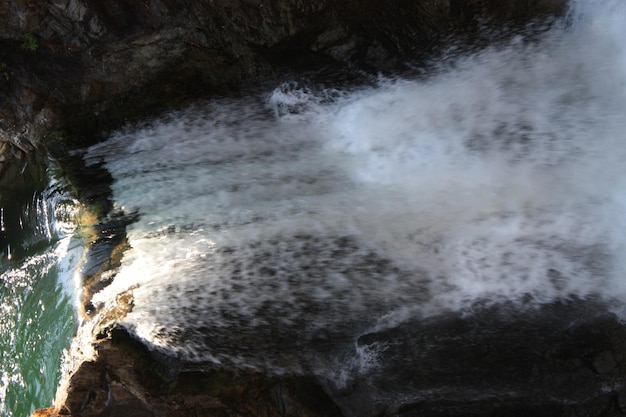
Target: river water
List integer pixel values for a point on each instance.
(278, 230)
(41, 252)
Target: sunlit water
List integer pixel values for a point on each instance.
(277, 228)
(37, 301)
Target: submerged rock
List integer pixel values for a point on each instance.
(559, 359)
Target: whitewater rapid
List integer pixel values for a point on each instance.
(276, 229)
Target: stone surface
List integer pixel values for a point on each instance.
(70, 69)
(559, 359)
(124, 379)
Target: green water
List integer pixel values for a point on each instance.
(38, 315)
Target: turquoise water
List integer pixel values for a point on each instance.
(37, 298)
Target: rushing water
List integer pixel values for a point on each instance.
(276, 229)
(37, 298)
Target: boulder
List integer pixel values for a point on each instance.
(125, 379)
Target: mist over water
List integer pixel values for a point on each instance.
(276, 229)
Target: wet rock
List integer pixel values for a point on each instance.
(85, 67)
(561, 359)
(124, 379)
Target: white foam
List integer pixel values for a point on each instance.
(500, 179)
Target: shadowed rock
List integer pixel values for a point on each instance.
(125, 379)
(70, 69)
(561, 359)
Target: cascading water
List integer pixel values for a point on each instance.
(37, 295)
(277, 230)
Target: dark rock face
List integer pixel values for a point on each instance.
(82, 66)
(561, 359)
(126, 380)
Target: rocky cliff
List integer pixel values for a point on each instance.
(81, 66)
(125, 379)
